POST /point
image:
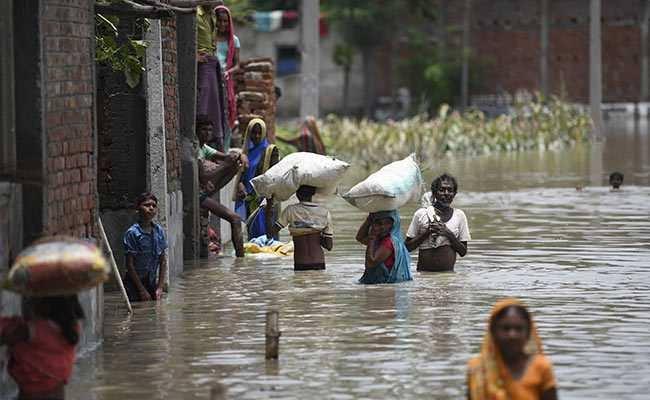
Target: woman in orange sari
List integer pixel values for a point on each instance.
(511, 365)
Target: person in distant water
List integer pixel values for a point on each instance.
(144, 246)
(387, 258)
(227, 167)
(615, 181)
(227, 51)
(438, 230)
(261, 156)
(41, 345)
(512, 365)
(211, 87)
(309, 139)
(310, 226)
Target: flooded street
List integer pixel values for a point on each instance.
(579, 259)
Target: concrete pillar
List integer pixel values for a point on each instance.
(11, 233)
(464, 80)
(156, 152)
(309, 62)
(7, 111)
(543, 54)
(10, 244)
(644, 51)
(186, 47)
(29, 85)
(595, 68)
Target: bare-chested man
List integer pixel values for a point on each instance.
(438, 230)
(310, 226)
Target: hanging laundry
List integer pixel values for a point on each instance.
(267, 21)
(290, 19)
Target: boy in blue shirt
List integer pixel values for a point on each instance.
(144, 247)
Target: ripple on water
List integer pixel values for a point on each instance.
(579, 264)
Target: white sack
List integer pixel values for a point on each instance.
(389, 188)
(297, 169)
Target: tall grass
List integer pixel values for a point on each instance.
(531, 125)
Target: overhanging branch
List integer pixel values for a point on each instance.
(151, 9)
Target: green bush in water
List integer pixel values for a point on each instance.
(531, 125)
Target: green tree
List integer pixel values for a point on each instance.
(344, 57)
(367, 25)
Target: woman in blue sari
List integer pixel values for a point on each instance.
(262, 155)
(387, 258)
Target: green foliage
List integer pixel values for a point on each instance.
(532, 124)
(240, 9)
(343, 55)
(432, 80)
(372, 23)
(270, 5)
(127, 57)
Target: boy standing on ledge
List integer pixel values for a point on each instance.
(145, 244)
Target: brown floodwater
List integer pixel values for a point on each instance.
(579, 259)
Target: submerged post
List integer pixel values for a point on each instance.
(272, 335)
(218, 392)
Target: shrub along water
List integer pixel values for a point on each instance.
(531, 125)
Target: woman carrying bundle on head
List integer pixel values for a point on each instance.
(387, 259)
(512, 365)
(41, 345)
(262, 155)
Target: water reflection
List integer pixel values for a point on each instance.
(579, 259)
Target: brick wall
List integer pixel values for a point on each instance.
(170, 87)
(68, 48)
(505, 38)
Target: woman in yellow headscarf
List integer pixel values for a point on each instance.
(262, 155)
(511, 365)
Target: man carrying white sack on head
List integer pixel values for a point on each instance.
(310, 226)
(438, 230)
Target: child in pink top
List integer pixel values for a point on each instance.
(41, 345)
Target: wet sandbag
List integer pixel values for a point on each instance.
(296, 169)
(389, 188)
(57, 267)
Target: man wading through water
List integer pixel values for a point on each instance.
(439, 230)
(310, 226)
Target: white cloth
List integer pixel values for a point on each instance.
(306, 218)
(426, 200)
(424, 216)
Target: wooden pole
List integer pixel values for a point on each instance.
(309, 60)
(272, 335)
(644, 52)
(464, 81)
(116, 271)
(595, 68)
(543, 56)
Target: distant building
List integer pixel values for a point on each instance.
(283, 46)
(506, 39)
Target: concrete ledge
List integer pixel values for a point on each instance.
(174, 234)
